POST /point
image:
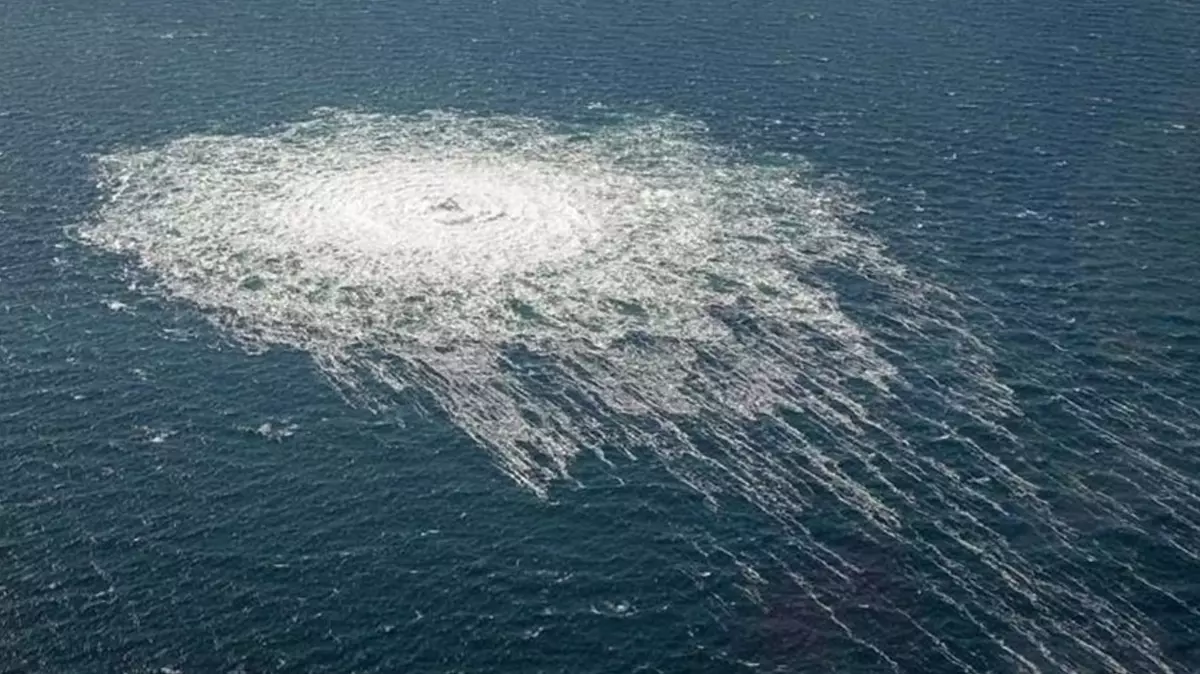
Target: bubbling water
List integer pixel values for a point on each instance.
(633, 288)
(655, 275)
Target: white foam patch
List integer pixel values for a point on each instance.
(631, 287)
(420, 250)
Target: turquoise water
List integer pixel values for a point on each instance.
(976, 454)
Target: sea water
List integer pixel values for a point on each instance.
(587, 337)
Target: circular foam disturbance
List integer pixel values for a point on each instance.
(629, 287)
(655, 276)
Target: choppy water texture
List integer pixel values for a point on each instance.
(849, 389)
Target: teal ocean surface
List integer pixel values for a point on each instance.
(531, 336)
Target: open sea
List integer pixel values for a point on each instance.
(577, 336)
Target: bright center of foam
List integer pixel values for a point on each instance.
(452, 219)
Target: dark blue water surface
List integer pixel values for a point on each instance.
(170, 502)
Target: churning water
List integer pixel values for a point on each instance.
(678, 336)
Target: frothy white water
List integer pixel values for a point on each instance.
(634, 288)
(656, 277)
